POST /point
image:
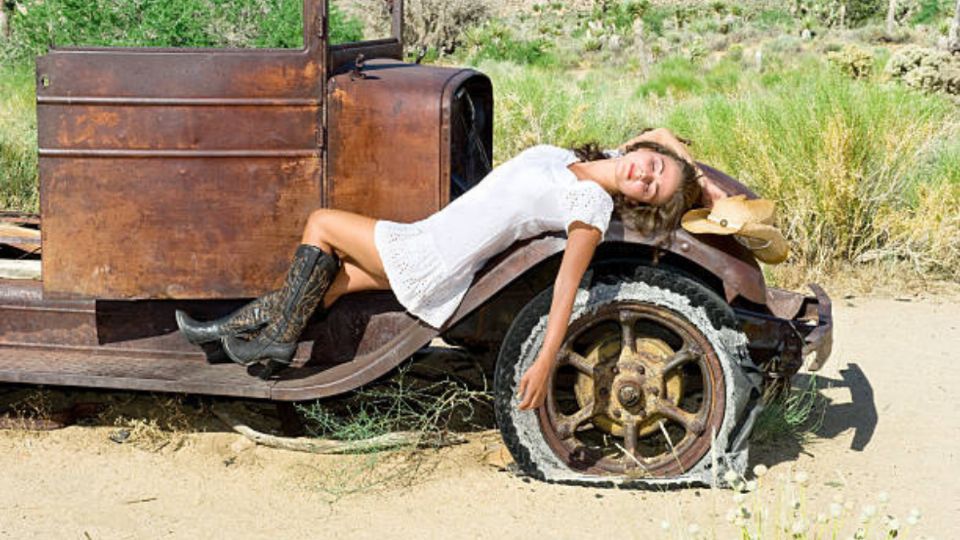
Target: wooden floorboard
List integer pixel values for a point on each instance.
(124, 372)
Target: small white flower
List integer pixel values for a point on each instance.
(893, 525)
(869, 510)
(751, 485)
(912, 520)
(883, 496)
(730, 477)
(665, 525)
(801, 478)
(915, 513)
(759, 471)
(836, 510)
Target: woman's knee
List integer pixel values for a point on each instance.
(318, 223)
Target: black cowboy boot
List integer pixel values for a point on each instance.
(310, 275)
(246, 319)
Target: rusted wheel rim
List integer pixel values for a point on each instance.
(654, 393)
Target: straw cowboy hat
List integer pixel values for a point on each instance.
(750, 221)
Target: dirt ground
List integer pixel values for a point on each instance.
(890, 426)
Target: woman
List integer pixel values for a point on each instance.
(430, 264)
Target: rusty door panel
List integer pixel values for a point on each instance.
(178, 173)
(389, 139)
(173, 227)
(103, 75)
(73, 128)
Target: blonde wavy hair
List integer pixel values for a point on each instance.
(648, 219)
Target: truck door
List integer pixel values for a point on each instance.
(178, 173)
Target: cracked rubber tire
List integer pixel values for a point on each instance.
(674, 313)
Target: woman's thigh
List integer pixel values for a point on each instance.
(350, 236)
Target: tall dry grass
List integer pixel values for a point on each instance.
(864, 172)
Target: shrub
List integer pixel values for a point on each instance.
(929, 11)
(926, 69)
(840, 12)
(493, 40)
(852, 60)
(429, 24)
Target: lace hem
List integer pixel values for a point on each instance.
(417, 275)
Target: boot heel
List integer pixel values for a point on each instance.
(271, 368)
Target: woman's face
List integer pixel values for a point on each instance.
(647, 176)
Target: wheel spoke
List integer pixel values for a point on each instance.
(630, 432)
(567, 425)
(683, 356)
(578, 361)
(628, 335)
(690, 422)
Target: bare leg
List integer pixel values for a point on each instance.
(350, 236)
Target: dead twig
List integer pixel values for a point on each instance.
(328, 446)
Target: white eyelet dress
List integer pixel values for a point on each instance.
(431, 263)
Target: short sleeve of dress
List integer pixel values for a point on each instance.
(587, 202)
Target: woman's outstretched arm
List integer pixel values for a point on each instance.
(582, 241)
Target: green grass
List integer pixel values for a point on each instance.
(167, 23)
(18, 141)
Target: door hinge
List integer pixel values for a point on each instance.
(321, 22)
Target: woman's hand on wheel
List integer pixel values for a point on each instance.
(533, 385)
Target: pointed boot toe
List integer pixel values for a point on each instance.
(195, 331)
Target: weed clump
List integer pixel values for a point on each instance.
(407, 402)
(401, 403)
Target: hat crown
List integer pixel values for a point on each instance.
(737, 211)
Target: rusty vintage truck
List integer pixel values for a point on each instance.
(181, 178)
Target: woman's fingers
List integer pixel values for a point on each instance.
(532, 399)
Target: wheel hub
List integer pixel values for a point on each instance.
(628, 394)
(629, 385)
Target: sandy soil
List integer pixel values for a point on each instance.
(891, 425)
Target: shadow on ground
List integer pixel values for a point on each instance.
(828, 419)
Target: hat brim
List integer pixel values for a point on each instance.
(765, 242)
(696, 222)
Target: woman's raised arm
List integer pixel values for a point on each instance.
(582, 241)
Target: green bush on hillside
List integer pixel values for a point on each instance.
(493, 40)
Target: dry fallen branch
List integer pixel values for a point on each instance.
(328, 446)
